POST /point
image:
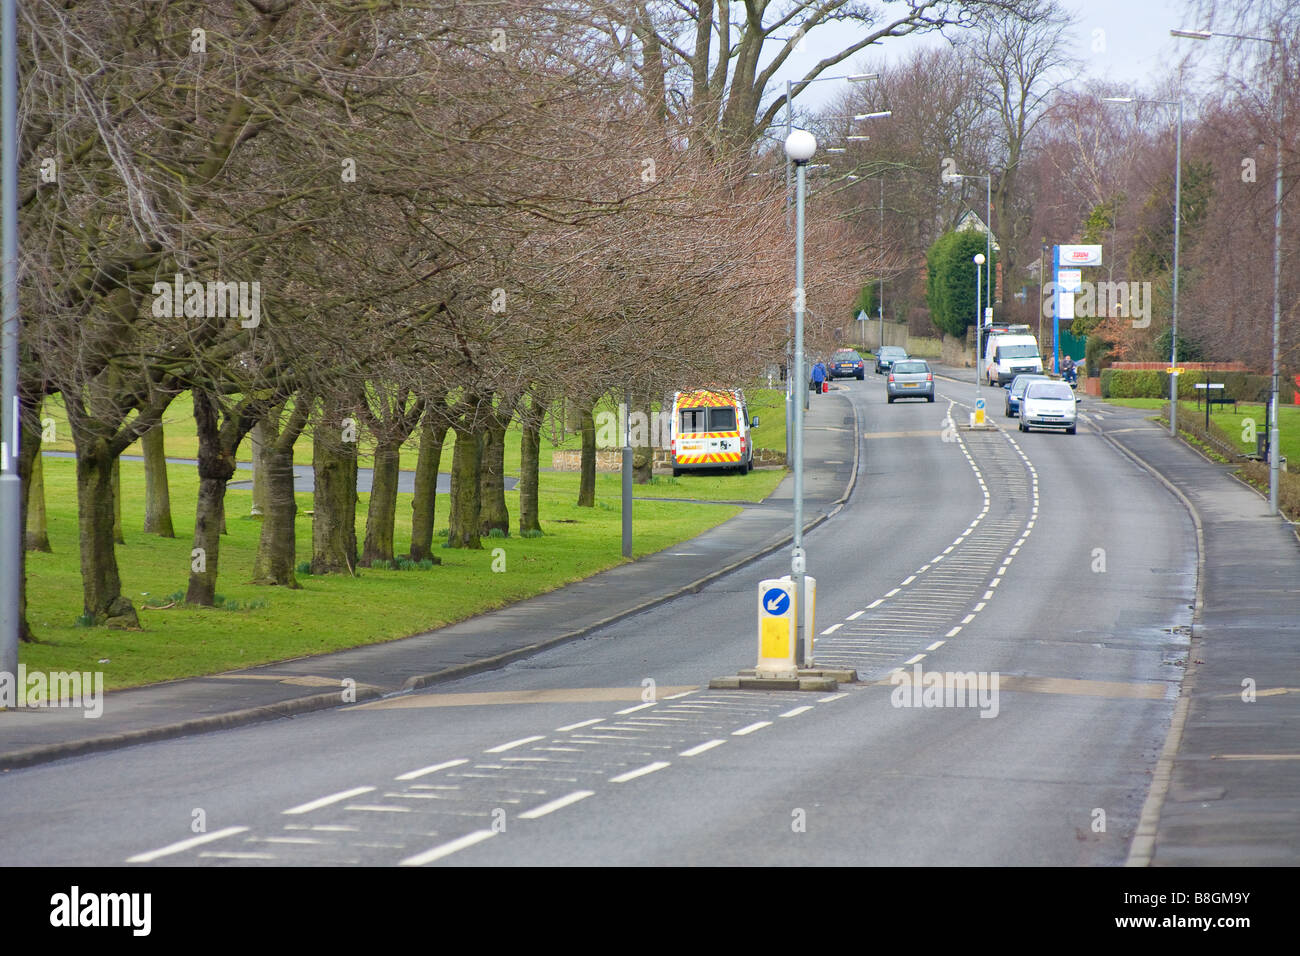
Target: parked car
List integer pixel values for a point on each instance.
(887, 356)
(1016, 391)
(846, 363)
(1048, 405)
(910, 378)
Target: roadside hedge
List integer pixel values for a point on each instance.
(1154, 383)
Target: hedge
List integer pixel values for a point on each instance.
(1154, 383)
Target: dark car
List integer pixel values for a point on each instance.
(910, 378)
(887, 356)
(846, 363)
(1016, 391)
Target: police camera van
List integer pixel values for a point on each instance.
(710, 429)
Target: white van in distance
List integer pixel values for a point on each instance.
(1008, 354)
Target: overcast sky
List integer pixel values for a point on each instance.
(1126, 41)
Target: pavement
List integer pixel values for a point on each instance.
(1226, 791)
(287, 688)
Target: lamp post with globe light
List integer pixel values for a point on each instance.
(799, 147)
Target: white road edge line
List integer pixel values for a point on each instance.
(151, 855)
(557, 804)
(326, 801)
(447, 849)
(416, 774)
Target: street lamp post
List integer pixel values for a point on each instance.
(799, 147)
(1273, 436)
(979, 260)
(1178, 216)
(11, 529)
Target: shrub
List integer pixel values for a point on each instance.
(304, 567)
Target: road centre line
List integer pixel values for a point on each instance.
(639, 771)
(915, 659)
(557, 804)
(582, 723)
(447, 849)
(854, 616)
(797, 711)
(326, 801)
(633, 710)
(757, 725)
(423, 771)
(510, 745)
(182, 845)
(701, 748)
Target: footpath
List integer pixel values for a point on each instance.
(288, 688)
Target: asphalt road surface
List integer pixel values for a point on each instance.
(959, 552)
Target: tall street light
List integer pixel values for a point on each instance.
(799, 147)
(11, 529)
(1178, 218)
(1273, 435)
(988, 256)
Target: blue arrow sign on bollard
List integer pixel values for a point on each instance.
(776, 601)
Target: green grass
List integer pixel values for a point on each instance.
(181, 439)
(1234, 422)
(329, 612)
(754, 486)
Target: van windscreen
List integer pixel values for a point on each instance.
(722, 419)
(1017, 351)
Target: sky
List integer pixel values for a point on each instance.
(1126, 41)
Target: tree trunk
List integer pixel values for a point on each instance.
(101, 585)
(382, 513)
(38, 537)
(117, 502)
(31, 477)
(530, 446)
(465, 484)
(157, 498)
(424, 501)
(216, 465)
(334, 502)
(277, 547)
(492, 487)
(587, 484)
(259, 438)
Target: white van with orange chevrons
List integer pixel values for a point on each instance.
(710, 429)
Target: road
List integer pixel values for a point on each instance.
(1050, 560)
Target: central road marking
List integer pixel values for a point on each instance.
(797, 711)
(446, 849)
(416, 774)
(633, 710)
(502, 748)
(183, 845)
(557, 804)
(854, 616)
(326, 801)
(639, 771)
(581, 723)
(757, 725)
(701, 748)
(832, 629)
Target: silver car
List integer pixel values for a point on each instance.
(1048, 405)
(910, 378)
